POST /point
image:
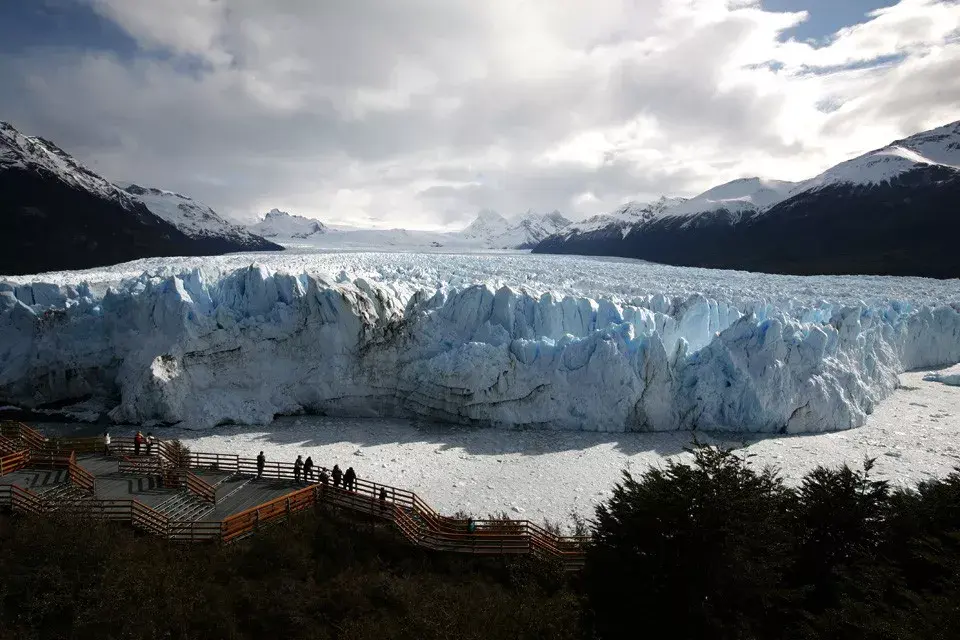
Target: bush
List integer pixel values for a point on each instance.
(701, 549)
(717, 549)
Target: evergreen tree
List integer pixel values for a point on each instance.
(698, 549)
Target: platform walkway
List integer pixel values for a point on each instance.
(191, 496)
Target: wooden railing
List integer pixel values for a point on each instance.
(76, 474)
(8, 446)
(149, 465)
(147, 519)
(77, 445)
(80, 476)
(19, 431)
(199, 487)
(245, 522)
(14, 461)
(226, 462)
(415, 519)
(49, 460)
(195, 531)
(20, 500)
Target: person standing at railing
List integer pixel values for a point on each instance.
(261, 463)
(297, 468)
(137, 443)
(308, 469)
(106, 443)
(337, 475)
(350, 480)
(150, 442)
(324, 478)
(383, 499)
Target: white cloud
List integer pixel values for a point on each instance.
(417, 113)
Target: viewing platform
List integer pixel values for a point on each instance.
(210, 497)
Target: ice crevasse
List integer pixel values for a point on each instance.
(251, 344)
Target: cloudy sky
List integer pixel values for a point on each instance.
(417, 113)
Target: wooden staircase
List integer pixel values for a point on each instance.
(184, 507)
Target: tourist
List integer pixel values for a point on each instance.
(337, 475)
(383, 499)
(137, 443)
(350, 480)
(297, 467)
(324, 478)
(261, 463)
(150, 442)
(106, 443)
(471, 525)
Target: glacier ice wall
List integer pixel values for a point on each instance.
(253, 343)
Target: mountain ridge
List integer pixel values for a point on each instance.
(65, 216)
(887, 212)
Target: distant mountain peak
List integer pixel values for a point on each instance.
(523, 232)
(489, 215)
(284, 225)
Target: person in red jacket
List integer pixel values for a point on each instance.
(138, 441)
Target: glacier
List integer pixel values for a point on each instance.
(949, 376)
(213, 343)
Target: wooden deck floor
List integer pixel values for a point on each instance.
(244, 492)
(35, 479)
(235, 493)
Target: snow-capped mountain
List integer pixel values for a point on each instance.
(35, 154)
(487, 225)
(492, 230)
(746, 195)
(937, 147)
(62, 215)
(489, 230)
(889, 211)
(284, 226)
(193, 218)
(626, 215)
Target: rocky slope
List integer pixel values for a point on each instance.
(58, 214)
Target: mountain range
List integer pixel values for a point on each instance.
(65, 216)
(489, 230)
(891, 211)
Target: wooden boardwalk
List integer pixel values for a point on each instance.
(191, 496)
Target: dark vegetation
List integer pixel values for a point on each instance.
(714, 549)
(720, 550)
(318, 576)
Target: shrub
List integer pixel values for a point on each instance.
(700, 549)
